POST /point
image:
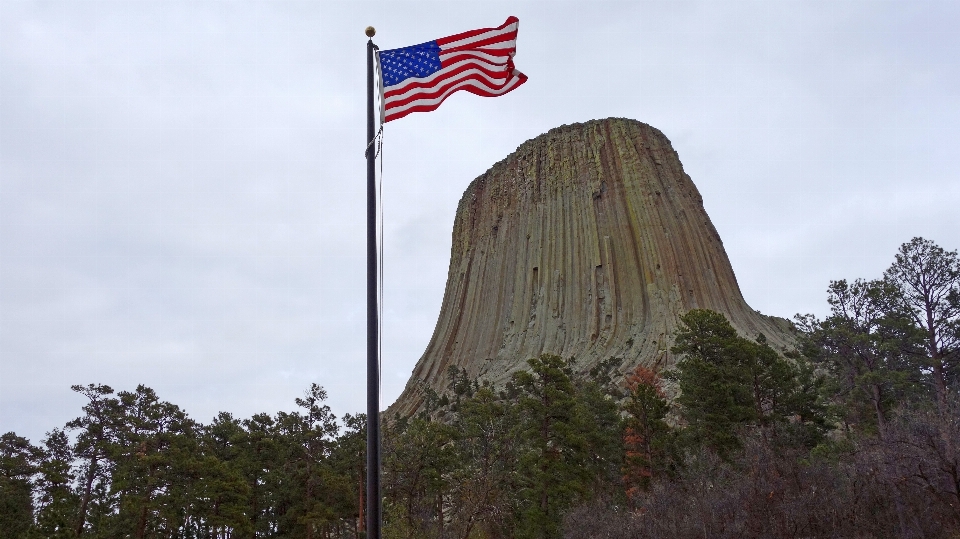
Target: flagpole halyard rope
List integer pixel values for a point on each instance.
(376, 137)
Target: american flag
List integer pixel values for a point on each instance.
(420, 77)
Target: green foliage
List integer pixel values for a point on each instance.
(740, 441)
(504, 464)
(599, 422)
(136, 466)
(728, 383)
(17, 467)
(925, 278)
(307, 441)
(484, 483)
(553, 460)
(57, 502)
(92, 451)
(713, 379)
(869, 346)
(418, 474)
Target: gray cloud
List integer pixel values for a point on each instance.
(182, 183)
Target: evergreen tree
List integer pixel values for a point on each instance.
(92, 450)
(58, 503)
(563, 446)
(484, 481)
(648, 439)
(728, 383)
(348, 460)
(418, 461)
(221, 495)
(307, 445)
(262, 467)
(868, 344)
(155, 462)
(18, 464)
(927, 280)
(598, 421)
(715, 389)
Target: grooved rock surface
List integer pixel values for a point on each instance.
(587, 242)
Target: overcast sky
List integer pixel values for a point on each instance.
(182, 184)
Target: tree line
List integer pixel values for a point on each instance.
(853, 433)
(135, 466)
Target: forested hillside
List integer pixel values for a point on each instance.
(855, 433)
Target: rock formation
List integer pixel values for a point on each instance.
(587, 242)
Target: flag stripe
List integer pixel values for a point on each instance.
(509, 40)
(399, 90)
(465, 38)
(491, 57)
(473, 86)
(469, 73)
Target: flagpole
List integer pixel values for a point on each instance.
(373, 363)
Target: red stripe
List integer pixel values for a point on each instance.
(461, 56)
(475, 53)
(499, 73)
(512, 36)
(461, 85)
(437, 90)
(470, 33)
(476, 91)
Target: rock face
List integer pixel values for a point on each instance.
(587, 242)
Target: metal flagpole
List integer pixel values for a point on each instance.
(373, 364)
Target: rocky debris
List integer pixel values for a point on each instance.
(587, 242)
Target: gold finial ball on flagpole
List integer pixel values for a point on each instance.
(370, 31)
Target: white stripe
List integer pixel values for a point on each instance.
(490, 58)
(511, 82)
(454, 80)
(507, 45)
(481, 37)
(436, 101)
(445, 71)
(512, 44)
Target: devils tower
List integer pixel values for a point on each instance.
(587, 242)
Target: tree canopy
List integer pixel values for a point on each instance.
(853, 433)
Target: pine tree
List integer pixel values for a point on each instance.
(484, 480)
(569, 438)
(927, 280)
(155, 461)
(308, 436)
(728, 383)
(715, 389)
(220, 494)
(263, 471)
(94, 445)
(418, 462)
(868, 344)
(18, 464)
(648, 439)
(58, 503)
(348, 460)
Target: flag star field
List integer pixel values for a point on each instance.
(417, 61)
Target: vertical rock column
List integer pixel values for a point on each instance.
(587, 242)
